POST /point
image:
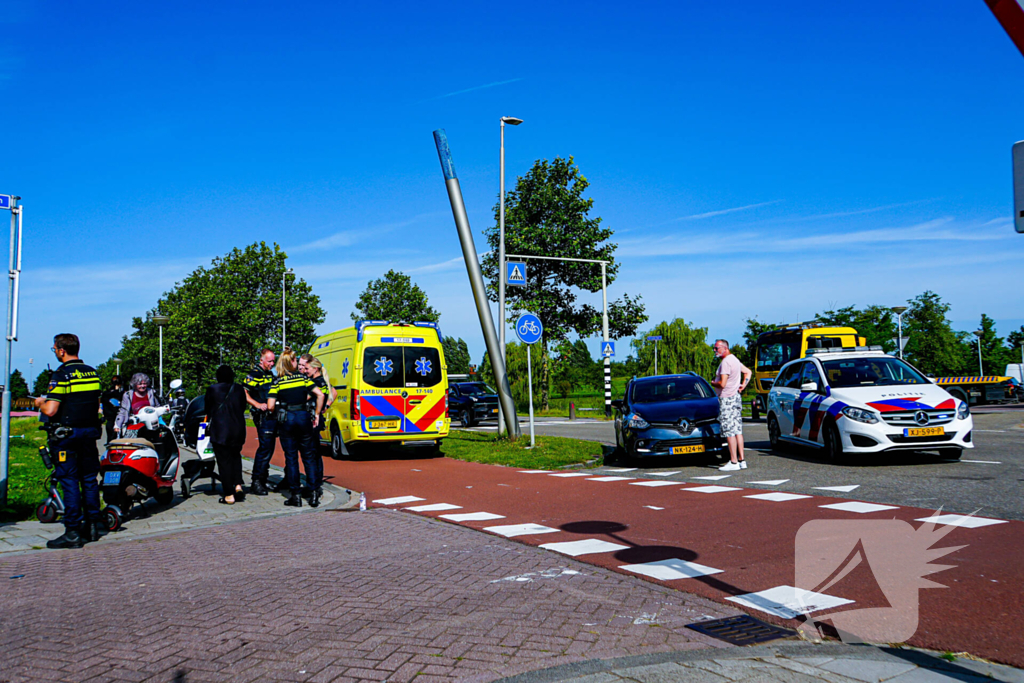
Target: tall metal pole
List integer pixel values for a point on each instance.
(14, 274)
(161, 360)
(604, 326)
(529, 389)
(899, 333)
(476, 281)
(501, 262)
(284, 312)
(655, 357)
(981, 368)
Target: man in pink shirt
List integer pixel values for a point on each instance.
(729, 385)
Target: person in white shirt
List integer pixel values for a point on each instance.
(729, 385)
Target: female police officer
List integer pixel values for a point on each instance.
(287, 400)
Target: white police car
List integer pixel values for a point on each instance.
(860, 400)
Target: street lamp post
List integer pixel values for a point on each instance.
(899, 311)
(160, 321)
(981, 368)
(118, 361)
(31, 371)
(512, 121)
(284, 308)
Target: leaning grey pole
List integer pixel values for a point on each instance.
(476, 281)
(13, 287)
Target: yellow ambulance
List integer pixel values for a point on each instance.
(392, 385)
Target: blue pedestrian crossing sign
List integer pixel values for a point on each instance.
(515, 273)
(5, 201)
(608, 349)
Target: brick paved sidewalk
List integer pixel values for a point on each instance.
(332, 596)
(200, 510)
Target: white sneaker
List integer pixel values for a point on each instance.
(730, 467)
(743, 464)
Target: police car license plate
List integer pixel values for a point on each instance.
(682, 450)
(112, 478)
(924, 431)
(383, 425)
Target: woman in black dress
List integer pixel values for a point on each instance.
(225, 417)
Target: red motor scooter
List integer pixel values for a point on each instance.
(142, 464)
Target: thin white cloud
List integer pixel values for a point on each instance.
(346, 238)
(722, 212)
(858, 212)
(474, 88)
(450, 264)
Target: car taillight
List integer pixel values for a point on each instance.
(355, 404)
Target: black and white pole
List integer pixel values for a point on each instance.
(476, 281)
(13, 291)
(604, 329)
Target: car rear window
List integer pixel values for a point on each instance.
(393, 367)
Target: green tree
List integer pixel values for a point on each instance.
(515, 364)
(682, 348)
(224, 313)
(547, 215)
(456, 355)
(394, 297)
(994, 354)
(574, 368)
(933, 346)
(19, 387)
(1014, 342)
(876, 324)
(42, 382)
(754, 329)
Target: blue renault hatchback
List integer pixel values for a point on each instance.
(668, 415)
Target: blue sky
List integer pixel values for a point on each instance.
(754, 160)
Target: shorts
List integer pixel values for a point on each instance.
(730, 415)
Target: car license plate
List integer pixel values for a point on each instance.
(925, 431)
(383, 425)
(494, 410)
(682, 450)
(112, 478)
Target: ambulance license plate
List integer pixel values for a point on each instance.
(682, 450)
(112, 478)
(383, 425)
(925, 431)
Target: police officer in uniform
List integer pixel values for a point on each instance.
(287, 399)
(257, 385)
(311, 367)
(72, 404)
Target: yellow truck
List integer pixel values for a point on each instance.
(392, 386)
(777, 347)
(978, 390)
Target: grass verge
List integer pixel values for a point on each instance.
(550, 453)
(26, 472)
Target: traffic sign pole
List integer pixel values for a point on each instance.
(529, 330)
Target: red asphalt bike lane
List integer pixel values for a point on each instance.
(752, 541)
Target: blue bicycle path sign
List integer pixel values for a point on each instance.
(529, 328)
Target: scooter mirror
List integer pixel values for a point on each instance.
(175, 384)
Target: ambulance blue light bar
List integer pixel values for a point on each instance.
(435, 326)
(361, 325)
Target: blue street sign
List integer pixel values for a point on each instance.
(529, 328)
(515, 273)
(5, 201)
(608, 349)
(657, 338)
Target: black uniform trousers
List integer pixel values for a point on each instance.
(266, 430)
(296, 436)
(76, 464)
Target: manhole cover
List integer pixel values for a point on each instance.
(741, 630)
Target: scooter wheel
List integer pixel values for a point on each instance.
(112, 516)
(186, 488)
(46, 513)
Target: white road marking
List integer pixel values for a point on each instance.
(844, 489)
(622, 469)
(654, 483)
(534, 471)
(984, 462)
(711, 489)
(671, 569)
(966, 521)
(777, 496)
(472, 516)
(510, 530)
(435, 507)
(770, 482)
(789, 602)
(992, 431)
(587, 546)
(859, 507)
(653, 507)
(661, 474)
(714, 477)
(610, 479)
(572, 474)
(397, 501)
